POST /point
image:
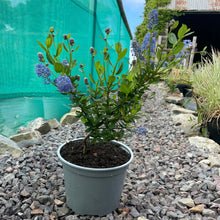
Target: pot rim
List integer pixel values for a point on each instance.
(96, 169)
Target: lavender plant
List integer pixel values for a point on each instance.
(113, 101)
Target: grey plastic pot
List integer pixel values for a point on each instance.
(93, 191)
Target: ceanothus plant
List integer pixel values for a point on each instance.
(113, 101)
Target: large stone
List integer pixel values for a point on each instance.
(187, 201)
(190, 104)
(214, 160)
(7, 145)
(75, 109)
(27, 139)
(206, 144)
(53, 123)
(198, 208)
(68, 118)
(187, 123)
(175, 99)
(40, 125)
(176, 110)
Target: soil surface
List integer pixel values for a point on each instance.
(98, 155)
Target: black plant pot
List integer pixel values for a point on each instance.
(185, 89)
(213, 127)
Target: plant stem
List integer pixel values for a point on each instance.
(85, 143)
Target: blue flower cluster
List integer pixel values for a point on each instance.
(64, 84)
(137, 49)
(43, 71)
(65, 62)
(149, 42)
(139, 131)
(152, 19)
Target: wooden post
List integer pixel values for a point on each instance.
(192, 52)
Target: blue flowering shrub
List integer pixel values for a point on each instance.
(112, 102)
(154, 59)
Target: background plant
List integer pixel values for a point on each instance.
(206, 88)
(164, 16)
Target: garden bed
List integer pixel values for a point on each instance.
(165, 180)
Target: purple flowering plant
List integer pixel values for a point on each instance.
(111, 103)
(153, 60)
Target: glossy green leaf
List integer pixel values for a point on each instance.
(178, 48)
(59, 49)
(175, 25)
(118, 47)
(58, 67)
(172, 38)
(125, 86)
(42, 46)
(122, 54)
(120, 68)
(159, 54)
(91, 78)
(83, 119)
(106, 56)
(182, 31)
(49, 41)
(50, 59)
(111, 79)
(64, 46)
(76, 48)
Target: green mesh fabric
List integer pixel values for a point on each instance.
(22, 22)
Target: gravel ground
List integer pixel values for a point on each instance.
(165, 180)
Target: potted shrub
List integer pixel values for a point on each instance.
(206, 90)
(95, 166)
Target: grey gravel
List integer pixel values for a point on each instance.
(165, 169)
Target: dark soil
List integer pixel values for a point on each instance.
(98, 155)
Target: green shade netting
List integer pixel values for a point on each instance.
(23, 96)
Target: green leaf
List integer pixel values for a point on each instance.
(99, 68)
(159, 54)
(106, 56)
(58, 67)
(76, 48)
(50, 59)
(175, 25)
(122, 54)
(172, 38)
(48, 41)
(125, 86)
(120, 69)
(83, 119)
(118, 47)
(59, 49)
(42, 46)
(68, 36)
(111, 79)
(64, 46)
(91, 78)
(73, 63)
(178, 48)
(182, 31)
